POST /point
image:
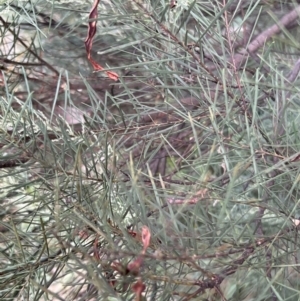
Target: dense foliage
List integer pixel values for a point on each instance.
(170, 175)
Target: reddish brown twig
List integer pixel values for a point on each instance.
(92, 29)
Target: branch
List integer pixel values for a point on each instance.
(262, 38)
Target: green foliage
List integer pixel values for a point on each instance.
(198, 141)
